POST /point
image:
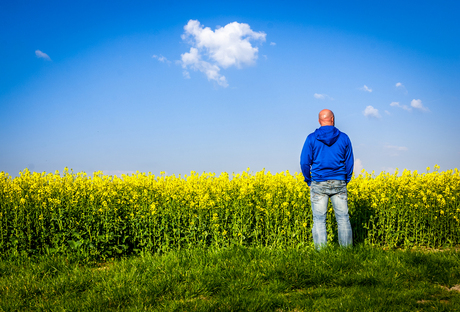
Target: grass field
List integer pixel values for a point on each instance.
(238, 279)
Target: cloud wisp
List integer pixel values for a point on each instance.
(372, 112)
(418, 105)
(42, 55)
(405, 107)
(320, 96)
(161, 58)
(225, 47)
(401, 87)
(366, 88)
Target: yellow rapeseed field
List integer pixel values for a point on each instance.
(100, 215)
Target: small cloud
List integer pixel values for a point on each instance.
(366, 88)
(418, 105)
(371, 112)
(319, 96)
(161, 58)
(322, 96)
(272, 43)
(42, 55)
(401, 87)
(186, 74)
(358, 167)
(405, 107)
(387, 112)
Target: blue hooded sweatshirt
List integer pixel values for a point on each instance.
(327, 155)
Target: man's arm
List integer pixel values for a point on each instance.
(349, 161)
(306, 161)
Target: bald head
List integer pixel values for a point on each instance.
(326, 118)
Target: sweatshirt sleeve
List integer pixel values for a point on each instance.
(306, 161)
(349, 161)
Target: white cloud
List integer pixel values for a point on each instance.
(413, 104)
(161, 58)
(387, 112)
(401, 87)
(371, 112)
(418, 105)
(226, 46)
(322, 96)
(272, 43)
(358, 166)
(366, 88)
(42, 55)
(405, 107)
(319, 96)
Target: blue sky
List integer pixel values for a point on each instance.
(214, 86)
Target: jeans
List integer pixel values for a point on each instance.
(320, 192)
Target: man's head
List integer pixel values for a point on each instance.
(326, 118)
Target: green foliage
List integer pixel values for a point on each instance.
(238, 279)
(104, 217)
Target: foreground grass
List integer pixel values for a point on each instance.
(239, 279)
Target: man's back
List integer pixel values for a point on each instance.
(327, 154)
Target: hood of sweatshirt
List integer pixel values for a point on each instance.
(327, 134)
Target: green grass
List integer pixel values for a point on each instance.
(238, 279)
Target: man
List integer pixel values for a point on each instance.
(327, 166)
